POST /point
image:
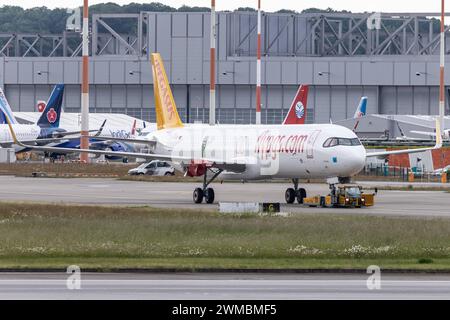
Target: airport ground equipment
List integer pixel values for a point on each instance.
(343, 196)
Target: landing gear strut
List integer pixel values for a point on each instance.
(295, 193)
(205, 192)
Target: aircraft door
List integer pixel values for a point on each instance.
(310, 144)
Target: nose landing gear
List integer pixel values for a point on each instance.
(206, 193)
(295, 193)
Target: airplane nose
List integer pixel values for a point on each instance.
(356, 160)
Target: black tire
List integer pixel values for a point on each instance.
(322, 202)
(289, 196)
(140, 174)
(209, 195)
(301, 194)
(198, 195)
(168, 174)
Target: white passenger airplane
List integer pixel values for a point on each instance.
(45, 128)
(247, 152)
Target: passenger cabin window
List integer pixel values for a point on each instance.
(333, 142)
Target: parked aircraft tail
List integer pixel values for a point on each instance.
(166, 109)
(360, 111)
(52, 113)
(2, 118)
(6, 108)
(297, 112)
(362, 108)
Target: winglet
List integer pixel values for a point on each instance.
(6, 108)
(133, 128)
(438, 135)
(100, 130)
(13, 134)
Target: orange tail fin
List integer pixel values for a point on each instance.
(166, 109)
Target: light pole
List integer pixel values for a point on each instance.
(442, 68)
(258, 68)
(212, 81)
(84, 140)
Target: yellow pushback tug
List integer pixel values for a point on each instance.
(343, 196)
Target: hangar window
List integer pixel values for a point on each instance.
(333, 142)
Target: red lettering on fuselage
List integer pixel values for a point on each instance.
(272, 145)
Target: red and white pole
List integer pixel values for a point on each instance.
(442, 69)
(212, 82)
(84, 143)
(258, 68)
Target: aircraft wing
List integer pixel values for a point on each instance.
(210, 163)
(98, 132)
(65, 137)
(238, 165)
(142, 141)
(424, 133)
(438, 145)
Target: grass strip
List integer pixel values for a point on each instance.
(34, 236)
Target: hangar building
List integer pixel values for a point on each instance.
(396, 66)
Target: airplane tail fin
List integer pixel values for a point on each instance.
(166, 109)
(362, 108)
(297, 112)
(360, 112)
(6, 110)
(52, 113)
(2, 118)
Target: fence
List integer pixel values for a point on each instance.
(399, 173)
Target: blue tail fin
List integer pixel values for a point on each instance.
(2, 118)
(362, 108)
(360, 112)
(52, 113)
(6, 108)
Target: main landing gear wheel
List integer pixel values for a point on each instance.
(295, 193)
(301, 194)
(290, 195)
(209, 195)
(206, 193)
(198, 195)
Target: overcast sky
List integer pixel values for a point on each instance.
(268, 5)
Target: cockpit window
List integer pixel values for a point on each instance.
(333, 142)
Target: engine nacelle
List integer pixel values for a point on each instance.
(196, 170)
(115, 147)
(58, 133)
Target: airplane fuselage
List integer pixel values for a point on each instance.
(268, 151)
(23, 132)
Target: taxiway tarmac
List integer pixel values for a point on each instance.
(179, 195)
(24, 286)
